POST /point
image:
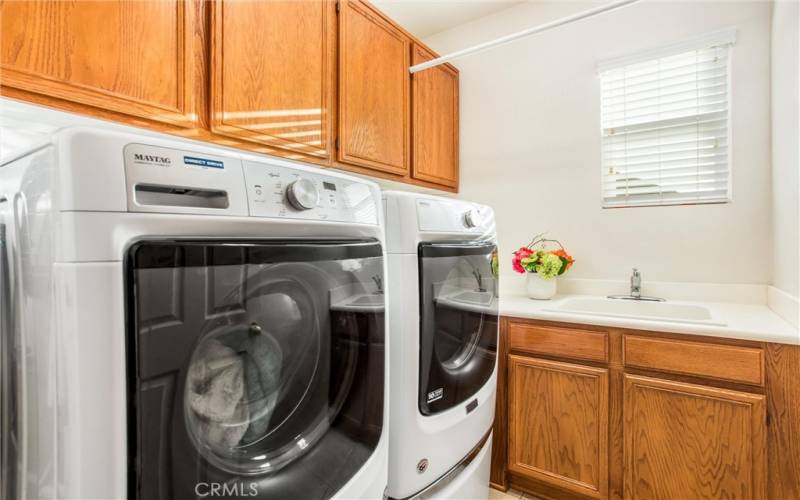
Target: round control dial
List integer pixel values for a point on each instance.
(302, 194)
(473, 218)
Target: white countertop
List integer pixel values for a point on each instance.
(744, 321)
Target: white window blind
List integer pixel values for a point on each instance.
(665, 125)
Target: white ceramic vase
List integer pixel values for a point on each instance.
(539, 288)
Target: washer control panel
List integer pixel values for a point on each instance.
(285, 192)
(303, 194)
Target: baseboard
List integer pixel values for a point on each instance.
(498, 486)
(541, 491)
(784, 305)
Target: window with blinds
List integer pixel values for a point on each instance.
(665, 125)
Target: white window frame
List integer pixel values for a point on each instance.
(723, 37)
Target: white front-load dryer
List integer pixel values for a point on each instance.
(182, 322)
(443, 320)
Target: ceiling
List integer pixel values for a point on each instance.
(424, 18)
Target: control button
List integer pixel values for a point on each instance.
(472, 218)
(259, 192)
(302, 194)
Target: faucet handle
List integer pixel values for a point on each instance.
(636, 283)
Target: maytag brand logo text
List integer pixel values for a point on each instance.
(158, 160)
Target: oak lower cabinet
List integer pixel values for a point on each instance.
(94, 53)
(558, 424)
(585, 411)
(687, 441)
(374, 85)
(273, 74)
(434, 121)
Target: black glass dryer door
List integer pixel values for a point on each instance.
(256, 370)
(458, 322)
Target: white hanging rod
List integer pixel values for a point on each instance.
(520, 34)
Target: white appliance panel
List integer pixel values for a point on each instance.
(74, 211)
(167, 180)
(340, 200)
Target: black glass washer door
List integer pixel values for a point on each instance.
(9, 431)
(247, 377)
(458, 322)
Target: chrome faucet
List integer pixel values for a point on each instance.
(636, 284)
(479, 279)
(378, 284)
(636, 290)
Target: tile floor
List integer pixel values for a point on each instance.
(510, 495)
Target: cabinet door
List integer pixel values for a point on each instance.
(692, 442)
(558, 424)
(273, 73)
(434, 121)
(132, 57)
(373, 90)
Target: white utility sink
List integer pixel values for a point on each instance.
(474, 297)
(478, 301)
(367, 300)
(364, 302)
(634, 309)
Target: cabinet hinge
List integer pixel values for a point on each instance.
(338, 7)
(336, 143)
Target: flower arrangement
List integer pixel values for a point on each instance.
(537, 258)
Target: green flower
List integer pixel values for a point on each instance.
(529, 263)
(549, 266)
(495, 263)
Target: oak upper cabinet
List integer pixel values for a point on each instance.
(92, 53)
(273, 73)
(558, 424)
(434, 121)
(373, 90)
(692, 441)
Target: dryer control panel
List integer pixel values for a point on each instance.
(453, 216)
(284, 192)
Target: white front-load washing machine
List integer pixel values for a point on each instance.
(181, 321)
(443, 322)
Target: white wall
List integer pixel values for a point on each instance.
(786, 145)
(530, 141)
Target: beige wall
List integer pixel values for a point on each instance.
(786, 145)
(530, 141)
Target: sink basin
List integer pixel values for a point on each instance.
(475, 297)
(363, 302)
(654, 311)
(367, 300)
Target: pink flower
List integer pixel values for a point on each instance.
(516, 261)
(523, 252)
